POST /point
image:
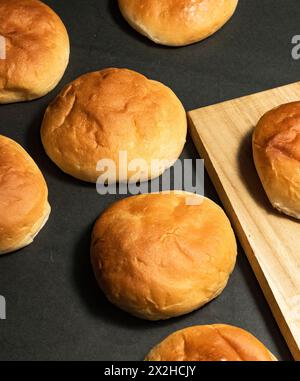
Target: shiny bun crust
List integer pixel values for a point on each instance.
(211, 343)
(162, 255)
(276, 151)
(177, 22)
(24, 207)
(37, 50)
(103, 113)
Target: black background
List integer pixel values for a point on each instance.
(54, 308)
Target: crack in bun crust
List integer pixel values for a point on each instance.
(217, 342)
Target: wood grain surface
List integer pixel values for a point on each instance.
(222, 134)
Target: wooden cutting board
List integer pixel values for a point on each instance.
(222, 134)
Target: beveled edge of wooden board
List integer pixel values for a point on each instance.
(243, 97)
(263, 282)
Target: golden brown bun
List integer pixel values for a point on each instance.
(37, 50)
(276, 151)
(105, 112)
(217, 342)
(156, 257)
(177, 22)
(24, 207)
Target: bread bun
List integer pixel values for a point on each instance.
(217, 342)
(24, 207)
(157, 256)
(177, 22)
(276, 151)
(103, 113)
(36, 49)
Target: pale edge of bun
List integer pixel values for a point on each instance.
(164, 315)
(36, 228)
(141, 28)
(273, 357)
(282, 209)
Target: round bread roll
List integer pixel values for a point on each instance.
(276, 151)
(177, 22)
(162, 255)
(105, 113)
(24, 207)
(34, 50)
(217, 342)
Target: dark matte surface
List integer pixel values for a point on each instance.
(54, 308)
